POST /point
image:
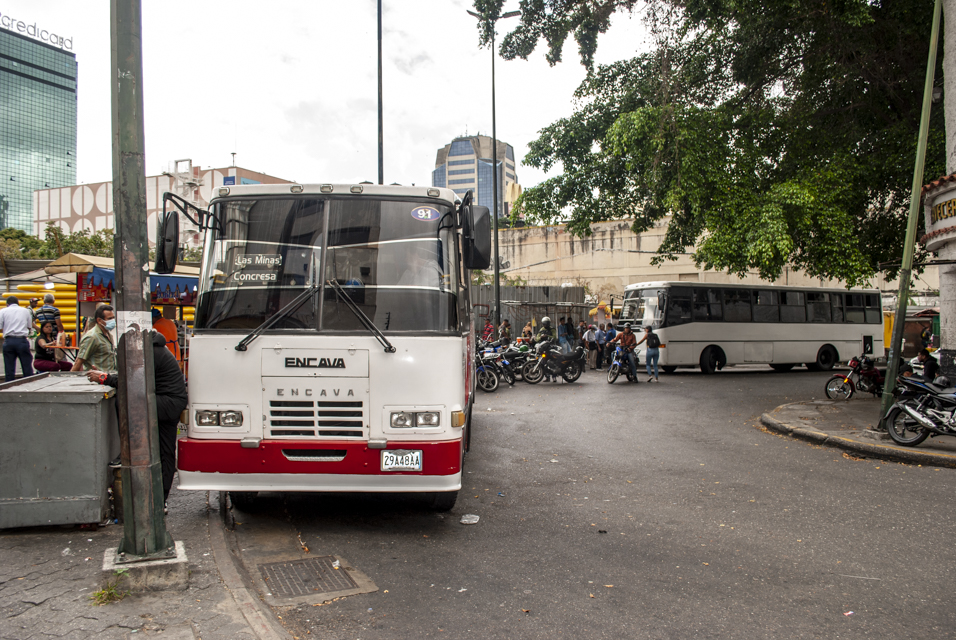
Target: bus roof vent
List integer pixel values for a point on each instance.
(434, 193)
(356, 188)
(325, 188)
(296, 188)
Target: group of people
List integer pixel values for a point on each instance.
(597, 340)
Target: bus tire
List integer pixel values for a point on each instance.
(826, 357)
(669, 368)
(443, 501)
(782, 367)
(244, 500)
(712, 359)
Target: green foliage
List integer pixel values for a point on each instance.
(16, 245)
(764, 135)
(111, 592)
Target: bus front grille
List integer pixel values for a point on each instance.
(316, 419)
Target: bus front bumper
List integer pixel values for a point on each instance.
(225, 465)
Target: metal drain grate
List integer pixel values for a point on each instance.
(305, 577)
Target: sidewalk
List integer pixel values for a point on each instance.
(851, 425)
(47, 575)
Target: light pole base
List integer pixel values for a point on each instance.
(163, 574)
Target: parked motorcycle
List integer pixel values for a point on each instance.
(922, 410)
(619, 363)
(863, 376)
(487, 373)
(551, 361)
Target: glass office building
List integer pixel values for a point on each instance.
(466, 164)
(37, 124)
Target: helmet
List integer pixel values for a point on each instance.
(591, 327)
(546, 321)
(627, 325)
(942, 381)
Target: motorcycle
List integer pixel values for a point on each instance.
(487, 373)
(863, 376)
(922, 410)
(618, 364)
(551, 361)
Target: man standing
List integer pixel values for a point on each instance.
(97, 350)
(652, 354)
(15, 324)
(49, 313)
(504, 332)
(590, 342)
(930, 364)
(600, 338)
(563, 335)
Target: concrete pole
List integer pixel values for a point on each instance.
(144, 525)
(494, 186)
(381, 134)
(909, 244)
(947, 272)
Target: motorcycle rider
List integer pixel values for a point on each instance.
(547, 332)
(628, 342)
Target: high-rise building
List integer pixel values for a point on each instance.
(466, 164)
(37, 123)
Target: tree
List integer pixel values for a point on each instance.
(17, 244)
(767, 134)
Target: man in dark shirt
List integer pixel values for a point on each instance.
(171, 400)
(930, 365)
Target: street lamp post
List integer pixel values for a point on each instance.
(494, 164)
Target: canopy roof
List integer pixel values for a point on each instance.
(79, 263)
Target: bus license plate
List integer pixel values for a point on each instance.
(401, 460)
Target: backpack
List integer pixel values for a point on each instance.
(653, 340)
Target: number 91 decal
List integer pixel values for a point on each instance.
(425, 214)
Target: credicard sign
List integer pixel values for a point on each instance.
(19, 26)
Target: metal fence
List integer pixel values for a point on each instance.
(520, 305)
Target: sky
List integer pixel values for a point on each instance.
(291, 87)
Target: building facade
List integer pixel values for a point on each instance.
(90, 206)
(37, 123)
(465, 164)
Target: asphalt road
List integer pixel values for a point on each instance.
(644, 511)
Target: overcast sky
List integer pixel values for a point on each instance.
(291, 86)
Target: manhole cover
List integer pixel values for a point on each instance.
(305, 577)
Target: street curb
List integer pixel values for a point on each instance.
(260, 621)
(890, 453)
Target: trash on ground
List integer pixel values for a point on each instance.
(336, 564)
(469, 518)
(848, 613)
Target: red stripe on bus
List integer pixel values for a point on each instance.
(228, 456)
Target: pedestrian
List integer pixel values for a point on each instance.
(628, 342)
(49, 313)
(652, 353)
(168, 328)
(15, 325)
(547, 332)
(45, 355)
(930, 365)
(581, 329)
(97, 350)
(601, 338)
(504, 332)
(171, 401)
(572, 337)
(528, 332)
(590, 339)
(563, 335)
(926, 336)
(488, 331)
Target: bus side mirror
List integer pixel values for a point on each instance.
(167, 243)
(476, 237)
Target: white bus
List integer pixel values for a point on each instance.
(714, 325)
(333, 343)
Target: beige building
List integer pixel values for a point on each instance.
(614, 256)
(90, 206)
(465, 164)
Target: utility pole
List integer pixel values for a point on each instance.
(144, 525)
(909, 246)
(381, 135)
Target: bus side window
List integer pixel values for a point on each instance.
(766, 306)
(737, 305)
(854, 308)
(793, 306)
(707, 306)
(836, 305)
(818, 307)
(678, 307)
(874, 312)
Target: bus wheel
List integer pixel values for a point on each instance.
(443, 501)
(669, 368)
(712, 359)
(826, 358)
(244, 500)
(781, 368)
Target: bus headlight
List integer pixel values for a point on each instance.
(230, 418)
(207, 418)
(428, 419)
(401, 419)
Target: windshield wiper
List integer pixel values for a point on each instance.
(364, 319)
(284, 312)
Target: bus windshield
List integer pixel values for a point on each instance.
(391, 257)
(643, 307)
